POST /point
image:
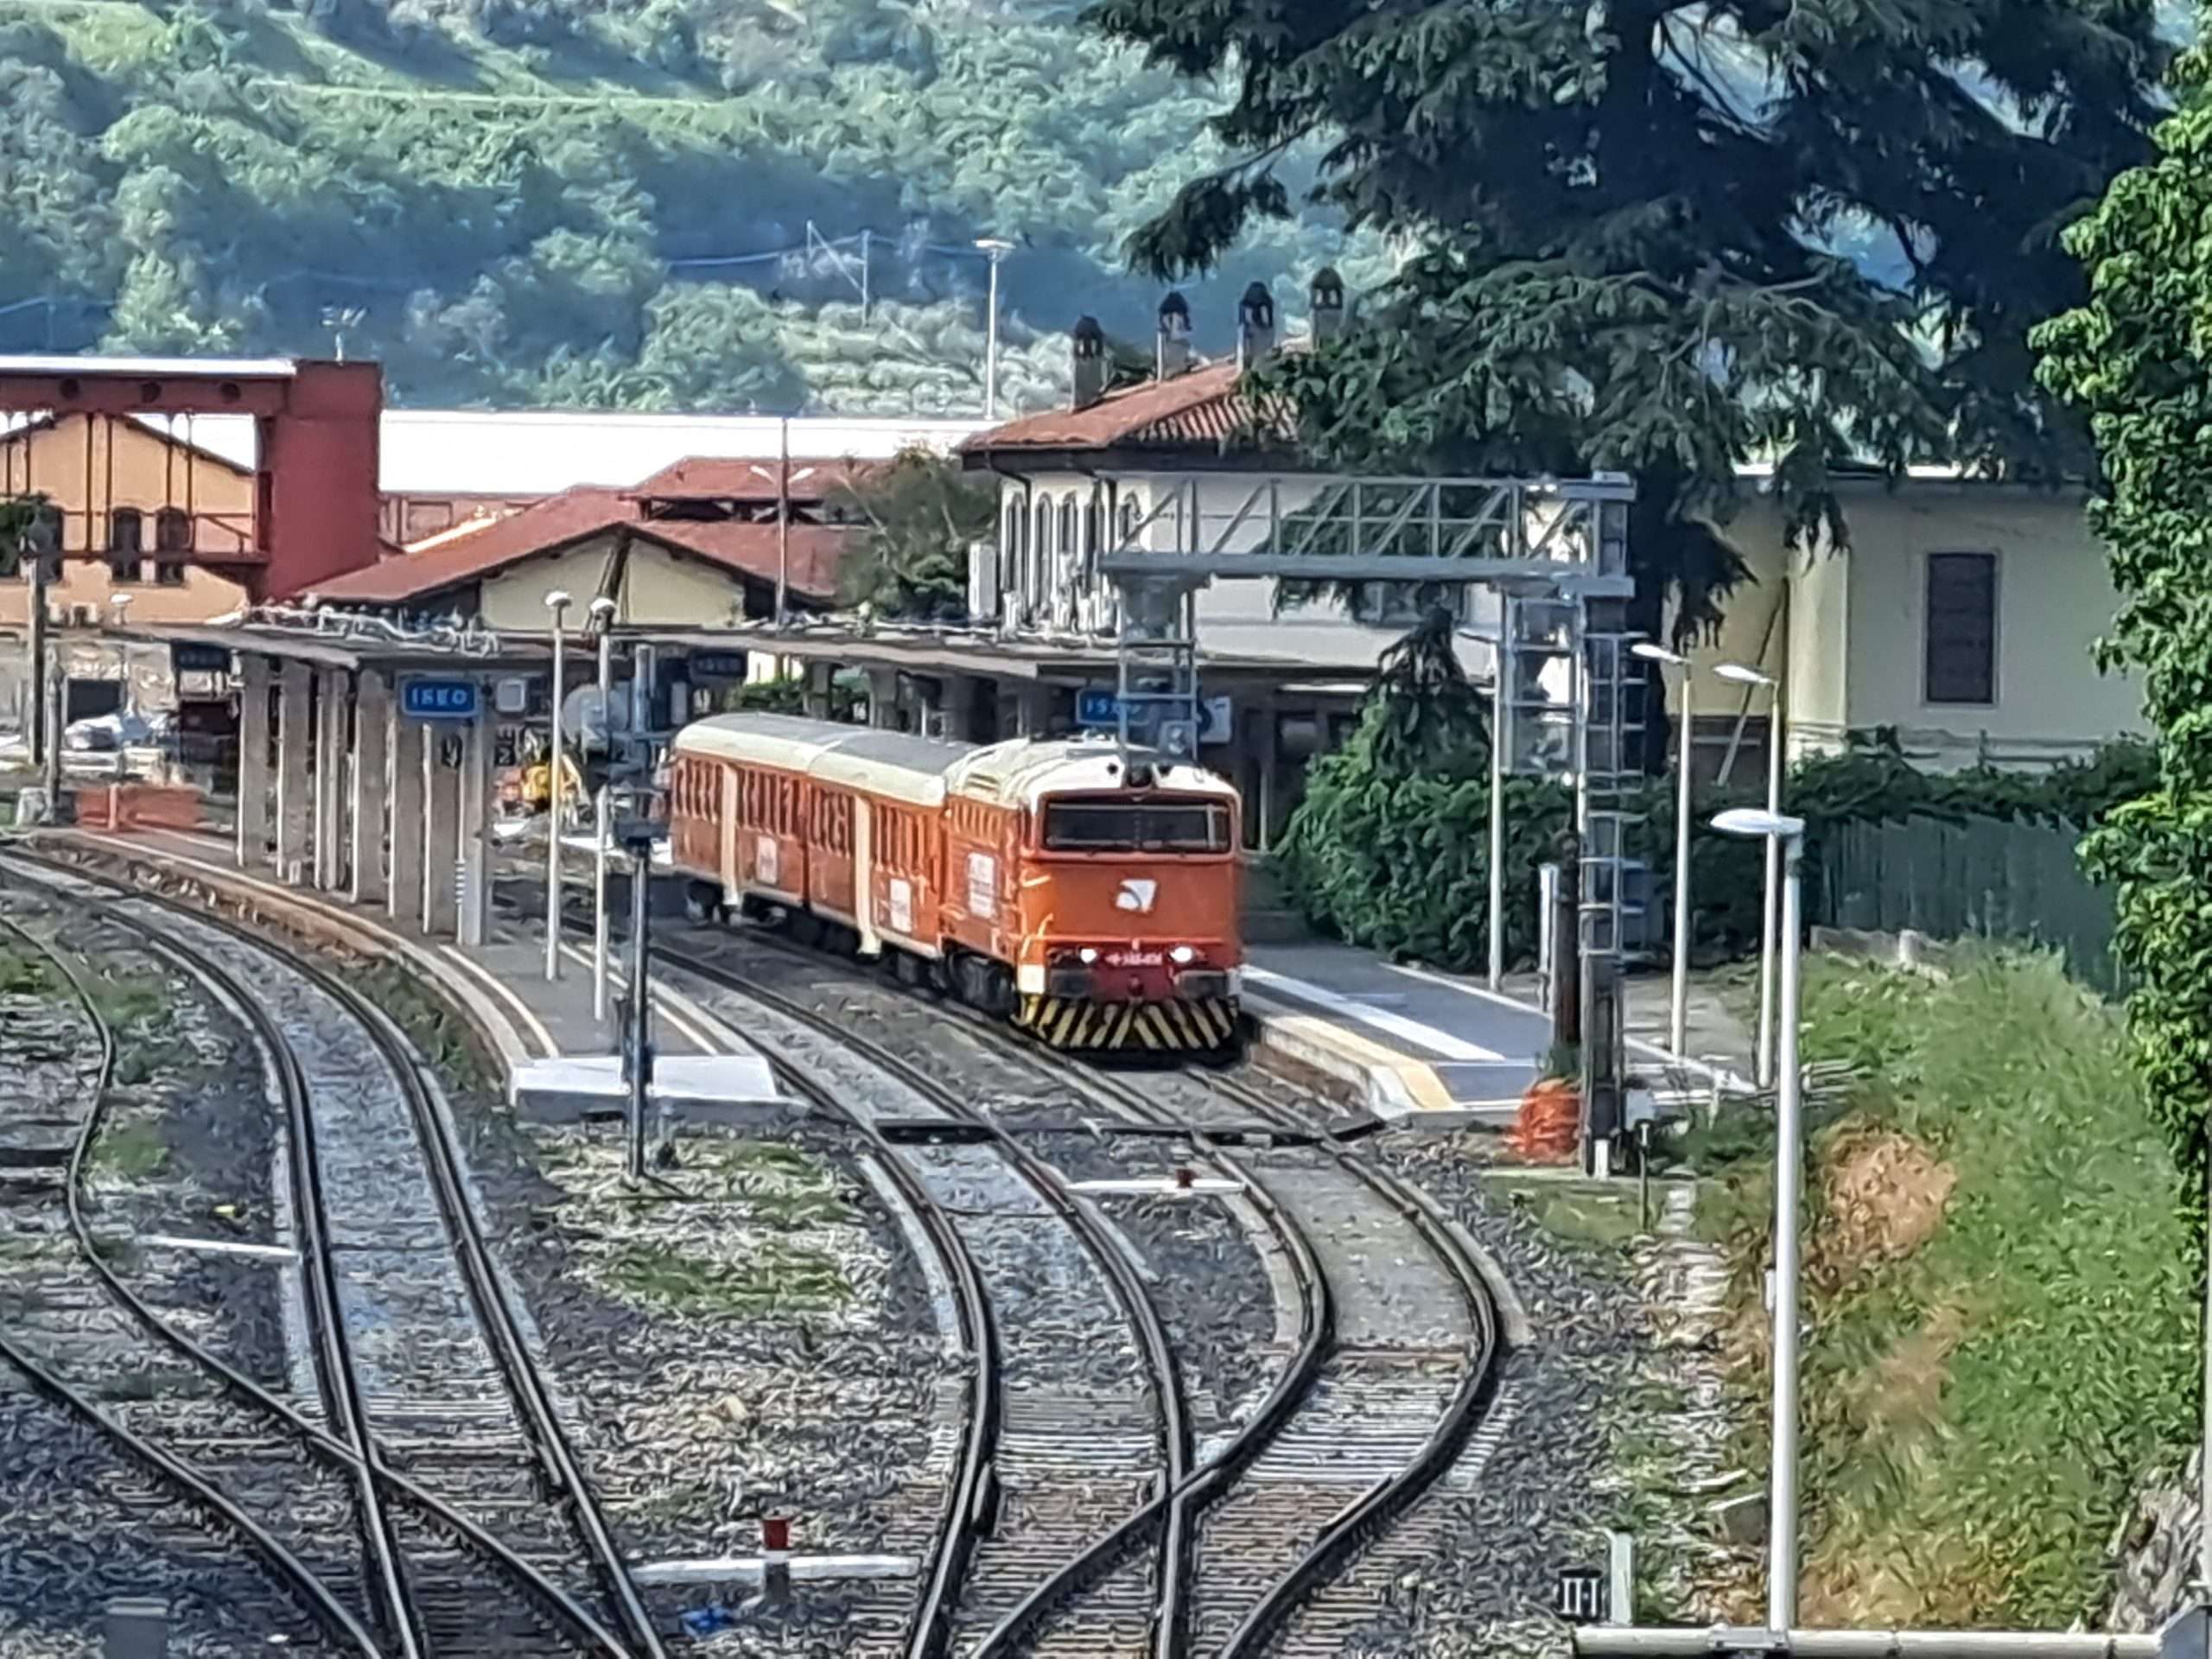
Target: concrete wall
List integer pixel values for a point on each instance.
(129, 467)
(1854, 632)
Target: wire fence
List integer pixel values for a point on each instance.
(1976, 877)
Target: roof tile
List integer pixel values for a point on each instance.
(577, 515)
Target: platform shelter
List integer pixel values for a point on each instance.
(366, 758)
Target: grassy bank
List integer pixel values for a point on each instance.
(2000, 1321)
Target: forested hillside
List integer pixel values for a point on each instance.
(599, 202)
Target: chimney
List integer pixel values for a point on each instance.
(1089, 344)
(1174, 357)
(1327, 292)
(1256, 327)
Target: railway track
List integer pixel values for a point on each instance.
(427, 1397)
(1083, 1450)
(1354, 1431)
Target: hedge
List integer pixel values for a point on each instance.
(1389, 847)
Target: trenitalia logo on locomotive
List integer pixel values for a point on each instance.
(1136, 895)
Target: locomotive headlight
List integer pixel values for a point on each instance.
(1182, 955)
(1086, 955)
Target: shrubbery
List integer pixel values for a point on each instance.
(1390, 846)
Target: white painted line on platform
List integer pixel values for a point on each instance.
(216, 1247)
(1156, 1187)
(1413, 1030)
(711, 1035)
(746, 1569)
(1728, 1079)
(500, 988)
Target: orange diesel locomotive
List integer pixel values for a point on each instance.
(1089, 894)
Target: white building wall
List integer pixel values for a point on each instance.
(1233, 616)
(1853, 636)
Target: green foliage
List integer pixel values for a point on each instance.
(560, 202)
(2135, 359)
(1626, 226)
(922, 512)
(2002, 1292)
(1389, 847)
(784, 696)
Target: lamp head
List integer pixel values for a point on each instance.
(1657, 653)
(557, 600)
(1741, 674)
(1758, 824)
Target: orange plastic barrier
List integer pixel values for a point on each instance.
(1549, 1126)
(138, 806)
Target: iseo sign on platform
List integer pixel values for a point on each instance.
(429, 699)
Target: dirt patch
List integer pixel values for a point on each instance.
(1886, 1195)
(1903, 1392)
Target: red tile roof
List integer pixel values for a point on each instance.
(577, 515)
(710, 478)
(1201, 408)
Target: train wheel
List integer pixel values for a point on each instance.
(807, 928)
(908, 968)
(754, 908)
(702, 902)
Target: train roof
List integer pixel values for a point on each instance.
(923, 770)
(1023, 772)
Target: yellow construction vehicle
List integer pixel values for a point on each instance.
(538, 785)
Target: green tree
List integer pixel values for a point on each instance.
(922, 512)
(1624, 221)
(2137, 359)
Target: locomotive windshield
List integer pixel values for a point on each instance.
(1127, 827)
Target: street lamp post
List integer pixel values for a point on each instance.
(1775, 742)
(1678, 1011)
(558, 603)
(1785, 840)
(995, 250)
(602, 621)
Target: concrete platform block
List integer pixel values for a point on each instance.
(718, 1088)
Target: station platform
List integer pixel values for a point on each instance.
(1443, 1051)
(558, 1057)
(1417, 1047)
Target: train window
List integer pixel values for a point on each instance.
(1123, 827)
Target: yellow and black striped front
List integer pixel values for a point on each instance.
(1177, 1027)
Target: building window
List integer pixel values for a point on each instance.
(169, 573)
(1131, 512)
(172, 530)
(1013, 527)
(1040, 553)
(1959, 658)
(1094, 532)
(125, 536)
(1068, 544)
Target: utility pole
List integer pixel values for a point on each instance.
(784, 520)
(995, 250)
(34, 643)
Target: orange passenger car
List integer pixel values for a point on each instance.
(1089, 894)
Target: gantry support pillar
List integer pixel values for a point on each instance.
(474, 922)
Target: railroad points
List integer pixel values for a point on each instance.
(1190, 1179)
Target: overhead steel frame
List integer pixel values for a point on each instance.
(1558, 548)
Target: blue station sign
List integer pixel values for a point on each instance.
(422, 697)
(1094, 707)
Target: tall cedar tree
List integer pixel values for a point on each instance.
(2136, 358)
(1625, 214)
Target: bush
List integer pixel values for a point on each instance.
(1390, 846)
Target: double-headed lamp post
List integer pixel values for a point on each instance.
(1777, 741)
(994, 248)
(602, 621)
(1678, 1010)
(1785, 840)
(557, 602)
